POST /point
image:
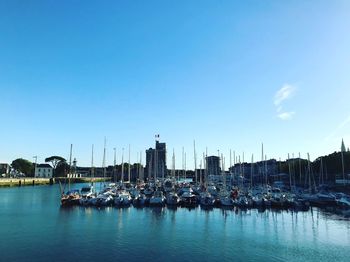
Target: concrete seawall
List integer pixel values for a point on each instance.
(33, 181)
(28, 181)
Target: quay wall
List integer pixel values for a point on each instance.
(80, 179)
(28, 181)
(34, 181)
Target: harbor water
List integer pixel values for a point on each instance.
(33, 227)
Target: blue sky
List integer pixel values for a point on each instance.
(229, 74)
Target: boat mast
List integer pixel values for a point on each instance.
(342, 164)
(200, 173)
(293, 169)
(299, 169)
(185, 168)
(114, 164)
(122, 175)
(195, 160)
(92, 165)
(243, 171)
(140, 167)
(290, 174)
(104, 162)
(155, 162)
(321, 181)
(183, 162)
(251, 172)
(309, 171)
(262, 163)
(234, 165)
(230, 167)
(205, 171)
(223, 171)
(150, 167)
(173, 165)
(206, 168)
(70, 165)
(129, 166)
(240, 169)
(137, 167)
(266, 171)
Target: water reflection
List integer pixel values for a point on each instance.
(166, 234)
(158, 212)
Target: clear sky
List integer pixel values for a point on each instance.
(229, 74)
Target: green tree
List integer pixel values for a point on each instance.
(62, 169)
(24, 166)
(55, 160)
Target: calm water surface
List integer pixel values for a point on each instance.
(33, 227)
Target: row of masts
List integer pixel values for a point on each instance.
(309, 179)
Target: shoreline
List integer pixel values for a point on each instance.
(34, 181)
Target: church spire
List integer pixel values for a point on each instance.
(342, 149)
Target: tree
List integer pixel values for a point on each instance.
(23, 166)
(55, 160)
(61, 169)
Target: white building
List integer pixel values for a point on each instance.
(4, 169)
(43, 170)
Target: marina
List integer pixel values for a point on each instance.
(174, 194)
(223, 190)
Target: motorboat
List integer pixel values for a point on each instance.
(168, 186)
(172, 199)
(188, 199)
(123, 199)
(139, 200)
(157, 199)
(343, 202)
(86, 193)
(102, 200)
(226, 201)
(207, 200)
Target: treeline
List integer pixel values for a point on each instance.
(323, 170)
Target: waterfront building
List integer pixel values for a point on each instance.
(156, 161)
(213, 166)
(4, 169)
(84, 171)
(43, 170)
(342, 181)
(257, 172)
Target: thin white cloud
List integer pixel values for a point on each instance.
(287, 91)
(286, 115)
(345, 122)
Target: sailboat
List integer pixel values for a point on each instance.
(225, 198)
(71, 197)
(105, 197)
(88, 193)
